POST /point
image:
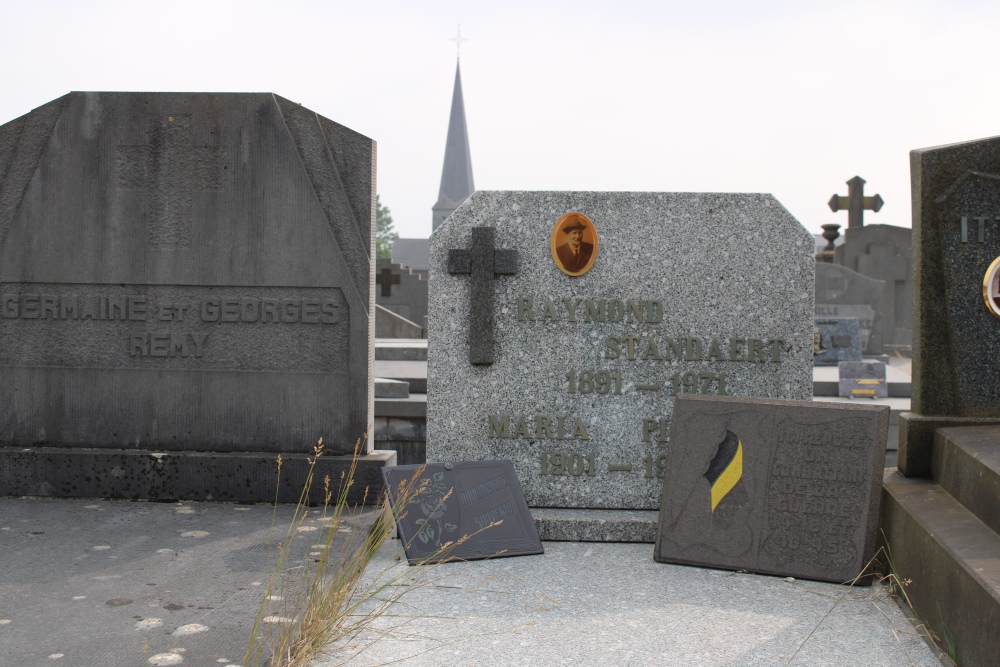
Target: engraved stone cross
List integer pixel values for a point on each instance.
(483, 261)
(386, 278)
(855, 203)
(171, 169)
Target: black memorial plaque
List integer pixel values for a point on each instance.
(480, 501)
(788, 488)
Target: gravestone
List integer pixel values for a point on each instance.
(789, 488)
(885, 253)
(859, 379)
(956, 240)
(573, 377)
(841, 292)
(836, 339)
(182, 274)
(463, 511)
(401, 290)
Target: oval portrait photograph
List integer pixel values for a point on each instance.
(991, 288)
(574, 244)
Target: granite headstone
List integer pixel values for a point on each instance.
(775, 487)
(956, 240)
(468, 510)
(836, 339)
(183, 273)
(574, 381)
(841, 292)
(885, 253)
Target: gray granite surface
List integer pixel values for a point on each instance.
(736, 269)
(859, 379)
(838, 339)
(586, 604)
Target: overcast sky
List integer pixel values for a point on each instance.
(791, 98)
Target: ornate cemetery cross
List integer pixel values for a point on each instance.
(170, 168)
(855, 202)
(386, 278)
(484, 261)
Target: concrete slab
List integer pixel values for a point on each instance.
(115, 583)
(604, 604)
(414, 372)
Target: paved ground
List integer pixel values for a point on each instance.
(610, 605)
(91, 583)
(87, 583)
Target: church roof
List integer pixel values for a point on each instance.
(456, 176)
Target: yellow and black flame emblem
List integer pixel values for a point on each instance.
(726, 467)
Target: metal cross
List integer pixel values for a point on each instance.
(483, 261)
(386, 278)
(855, 203)
(170, 168)
(458, 42)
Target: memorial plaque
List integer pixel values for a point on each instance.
(789, 488)
(185, 272)
(836, 339)
(480, 501)
(571, 372)
(862, 379)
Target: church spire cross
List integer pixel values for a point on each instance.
(855, 203)
(458, 39)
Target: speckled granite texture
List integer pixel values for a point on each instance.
(724, 267)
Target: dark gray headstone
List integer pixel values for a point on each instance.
(862, 379)
(836, 339)
(956, 238)
(401, 290)
(885, 253)
(776, 487)
(185, 272)
(478, 506)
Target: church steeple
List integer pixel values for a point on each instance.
(456, 177)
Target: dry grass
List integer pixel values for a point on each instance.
(313, 598)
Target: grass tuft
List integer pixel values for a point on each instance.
(313, 598)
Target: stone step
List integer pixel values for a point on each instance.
(400, 349)
(385, 388)
(951, 561)
(966, 463)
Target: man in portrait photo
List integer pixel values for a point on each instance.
(574, 254)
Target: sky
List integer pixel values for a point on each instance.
(787, 97)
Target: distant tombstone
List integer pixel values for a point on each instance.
(461, 511)
(956, 236)
(570, 372)
(401, 290)
(841, 292)
(836, 339)
(862, 379)
(789, 488)
(183, 273)
(885, 253)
